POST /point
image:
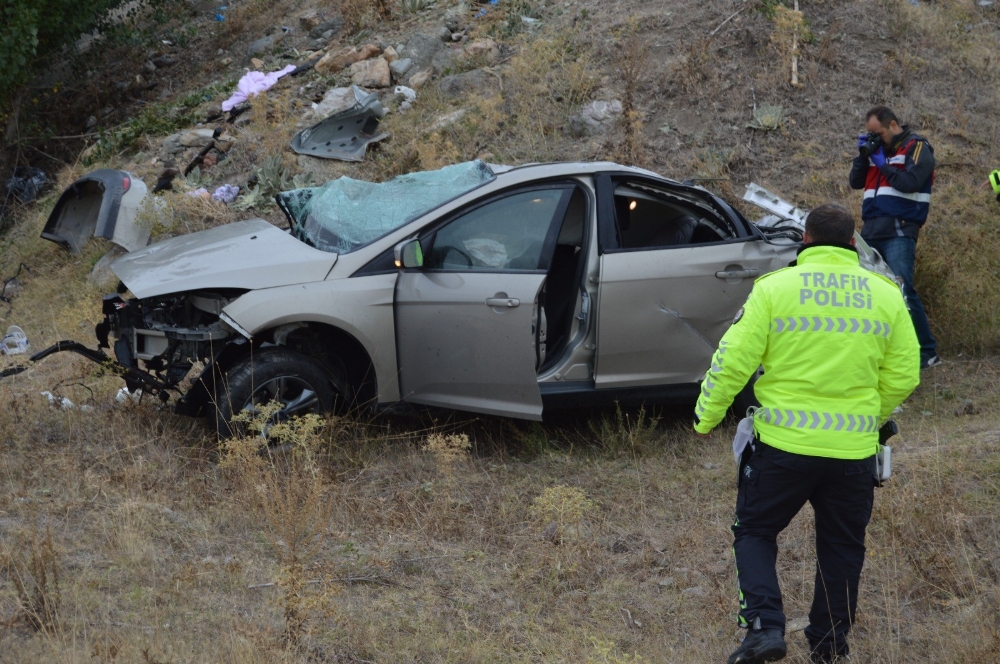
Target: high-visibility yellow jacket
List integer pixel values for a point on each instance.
(839, 354)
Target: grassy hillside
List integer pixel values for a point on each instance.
(128, 534)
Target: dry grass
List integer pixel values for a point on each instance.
(399, 547)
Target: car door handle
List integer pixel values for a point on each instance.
(502, 302)
(738, 274)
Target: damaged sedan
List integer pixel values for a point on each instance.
(480, 288)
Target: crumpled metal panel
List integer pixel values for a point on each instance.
(345, 135)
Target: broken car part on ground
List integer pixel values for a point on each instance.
(104, 203)
(481, 288)
(344, 135)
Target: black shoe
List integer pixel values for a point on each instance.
(760, 645)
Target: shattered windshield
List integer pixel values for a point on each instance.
(345, 214)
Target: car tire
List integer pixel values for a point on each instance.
(746, 398)
(276, 373)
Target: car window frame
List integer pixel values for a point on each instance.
(427, 234)
(605, 184)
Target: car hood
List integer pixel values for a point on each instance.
(248, 254)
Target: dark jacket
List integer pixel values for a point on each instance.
(897, 195)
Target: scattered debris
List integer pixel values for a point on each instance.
(346, 134)
(104, 203)
(409, 93)
(252, 84)
(11, 285)
(15, 342)
(25, 184)
(58, 402)
(124, 395)
(227, 193)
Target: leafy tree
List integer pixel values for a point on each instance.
(32, 33)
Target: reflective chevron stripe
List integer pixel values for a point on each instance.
(827, 324)
(801, 419)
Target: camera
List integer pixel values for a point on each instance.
(872, 143)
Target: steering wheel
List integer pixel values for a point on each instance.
(467, 257)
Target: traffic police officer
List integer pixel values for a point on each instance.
(839, 354)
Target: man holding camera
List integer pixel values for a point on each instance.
(839, 354)
(895, 167)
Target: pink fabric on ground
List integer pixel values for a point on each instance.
(252, 84)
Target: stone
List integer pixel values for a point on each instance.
(372, 73)
(419, 79)
(446, 120)
(482, 50)
(444, 34)
(471, 82)
(264, 44)
(333, 62)
(257, 63)
(334, 101)
(443, 60)
(310, 20)
(666, 582)
(332, 26)
(225, 62)
(149, 67)
(171, 145)
(454, 21)
(390, 55)
(594, 117)
(164, 61)
(196, 138)
(696, 591)
(328, 35)
(421, 48)
(400, 67)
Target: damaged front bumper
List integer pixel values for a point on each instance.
(157, 341)
(168, 335)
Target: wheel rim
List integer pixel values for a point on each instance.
(296, 396)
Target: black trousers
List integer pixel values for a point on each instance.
(773, 487)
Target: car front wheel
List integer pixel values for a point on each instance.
(270, 374)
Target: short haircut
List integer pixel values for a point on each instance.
(830, 223)
(883, 114)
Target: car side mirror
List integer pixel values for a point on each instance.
(409, 254)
